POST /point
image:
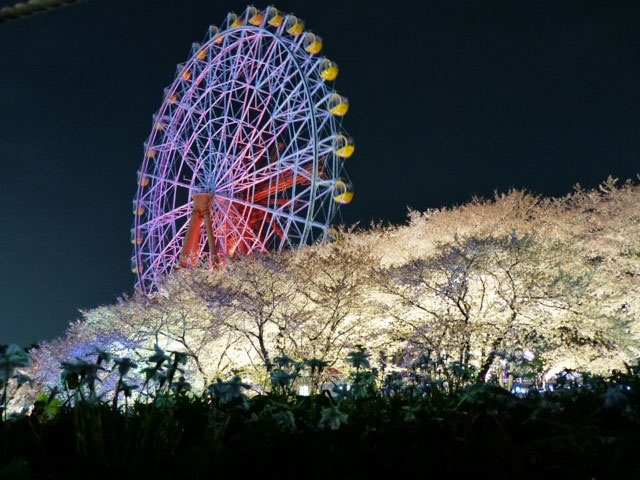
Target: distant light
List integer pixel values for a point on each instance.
(303, 390)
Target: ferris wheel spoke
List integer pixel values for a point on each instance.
(248, 102)
(286, 180)
(271, 211)
(225, 116)
(265, 174)
(166, 218)
(235, 232)
(285, 101)
(228, 95)
(260, 67)
(238, 161)
(283, 159)
(275, 73)
(170, 250)
(245, 232)
(294, 147)
(196, 134)
(169, 181)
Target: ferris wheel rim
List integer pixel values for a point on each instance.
(183, 118)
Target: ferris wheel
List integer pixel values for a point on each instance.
(246, 153)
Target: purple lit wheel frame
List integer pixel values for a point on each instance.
(250, 120)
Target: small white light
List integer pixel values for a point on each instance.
(303, 390)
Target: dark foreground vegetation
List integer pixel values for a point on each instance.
(368, 423)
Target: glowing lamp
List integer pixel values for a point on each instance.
(303, 391)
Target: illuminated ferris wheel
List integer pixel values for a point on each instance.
(246, 153)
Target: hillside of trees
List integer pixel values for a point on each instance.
(513, 287)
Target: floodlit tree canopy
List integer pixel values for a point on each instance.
(489, 286)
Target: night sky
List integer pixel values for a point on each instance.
(448, 99)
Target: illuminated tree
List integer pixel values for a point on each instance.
(482, 299)
(255, 299)
(179, 320)
(332, 285)
(477, 288)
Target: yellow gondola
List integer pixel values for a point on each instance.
(342, 191)
(274, 17)
(143, 180)
(312, 43)
(295, 26)
(135, 267)
(343, 146)
(160, 122)
(213, 32)
(338, 105)
(234, 21)
(328, 69)
(151, 153)
(136, 237)
(198, 51)
(255, 16)
(138, 209)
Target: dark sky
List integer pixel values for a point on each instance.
(448, 99)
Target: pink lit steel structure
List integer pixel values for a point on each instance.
(246, 153)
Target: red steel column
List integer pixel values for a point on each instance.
(200, 213)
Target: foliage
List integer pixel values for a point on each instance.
(586, 427)
(473, 289)
(12, 357)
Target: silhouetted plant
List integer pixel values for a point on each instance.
(332, 418)
(12, 357)
(434, 412)
(230, 391)
(358, 359)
